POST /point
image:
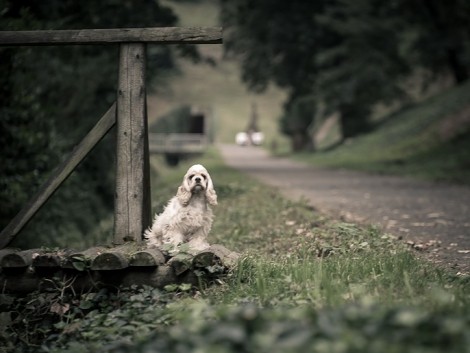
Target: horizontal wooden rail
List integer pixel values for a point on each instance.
(177, 143)
(165, 35)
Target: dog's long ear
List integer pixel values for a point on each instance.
(211, 195)
(184, 194)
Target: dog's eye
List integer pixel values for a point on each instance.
(204, 176)
(191, 176)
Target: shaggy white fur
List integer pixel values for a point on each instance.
(187, 218)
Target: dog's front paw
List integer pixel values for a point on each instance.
(198, 244)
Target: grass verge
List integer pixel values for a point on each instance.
(304, 283)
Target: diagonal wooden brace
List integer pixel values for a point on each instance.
(58, 176)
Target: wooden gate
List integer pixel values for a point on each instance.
(129, 114)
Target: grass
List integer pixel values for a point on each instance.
(304, 283)
(293, 254)
(430, 140)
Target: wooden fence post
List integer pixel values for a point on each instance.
(132, 193)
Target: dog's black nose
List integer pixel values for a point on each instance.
(198, 180)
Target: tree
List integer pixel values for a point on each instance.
(342, 52)
(360, 63)
(297, 120)
(439, 35)
(279, 50)
(277, 42)
(349, 54)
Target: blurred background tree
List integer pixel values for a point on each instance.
(50, 98)
(296, 123)
(349, 54)
(359, 63)
(438, 34)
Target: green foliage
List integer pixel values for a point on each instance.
(282, 52)
(437, 36)
(80, 262)
(63, 320)
(352, 328)
(362, 63)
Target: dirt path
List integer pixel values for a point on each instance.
(433, 217)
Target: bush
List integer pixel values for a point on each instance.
(354, 328)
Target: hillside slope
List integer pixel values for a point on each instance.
(429, 140)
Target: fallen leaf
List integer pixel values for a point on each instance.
(60, 309)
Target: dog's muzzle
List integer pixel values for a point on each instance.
(198, 187)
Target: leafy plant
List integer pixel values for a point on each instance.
(80, 262)
(361, 327)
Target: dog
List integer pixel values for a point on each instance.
(187, 218)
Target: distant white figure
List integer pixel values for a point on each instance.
(257, 138)
(242, 139)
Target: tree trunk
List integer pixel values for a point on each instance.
(459, 71)
(452, 49)
(354, 121)
(301, 141)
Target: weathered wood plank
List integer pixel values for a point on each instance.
(158, 278)
(215, 253)
(20, 259)
(110, 261)
(101, 264)
(47, 261)
(82, 260)
(115, 258)
(164, 35)
(132, 195)
(52, 259)
(4, 252)
(180, 265)
(147, 258)
(58, 176)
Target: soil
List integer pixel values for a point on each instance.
(433, 218)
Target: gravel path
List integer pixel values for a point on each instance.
(434, 218)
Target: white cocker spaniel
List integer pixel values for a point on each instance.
(187, 218)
